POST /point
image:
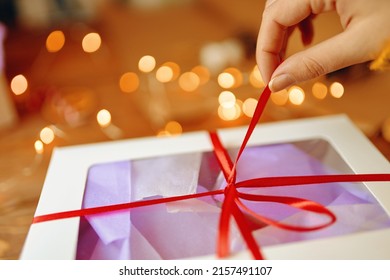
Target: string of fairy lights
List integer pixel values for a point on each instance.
(157, 78)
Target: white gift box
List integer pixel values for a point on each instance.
(68, 172)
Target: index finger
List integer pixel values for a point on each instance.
(278, 16)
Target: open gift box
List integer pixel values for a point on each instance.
(88, 176)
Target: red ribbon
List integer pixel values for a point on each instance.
(232, 204)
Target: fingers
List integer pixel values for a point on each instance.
(330, 55)
(364, 35)
(278, 16)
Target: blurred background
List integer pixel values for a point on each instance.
(81, 71)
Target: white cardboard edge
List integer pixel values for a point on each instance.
(65, 181)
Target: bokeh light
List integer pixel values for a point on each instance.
(255, 78)
(236, 74)
(163, 133)
(296, 95)
(249, 107)
(189, 81)
(19, 84)
(280, 97)
(38, 145)
(55, 41)
(129, 82)
(319, 90)
(164, 74)
(173, 128)
(229, 114)
(47, 135)
(175, 69)
(103, 118)
(203, 73)
(91, 42)
(227, 99)
(226, 80)
(337, 90)
(147, 63)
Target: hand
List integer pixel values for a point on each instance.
(366, 25)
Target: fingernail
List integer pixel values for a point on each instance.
(281, 82)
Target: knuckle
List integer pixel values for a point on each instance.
(313, 67)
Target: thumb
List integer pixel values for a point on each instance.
(342, 50)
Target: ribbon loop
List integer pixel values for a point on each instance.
(298, 203)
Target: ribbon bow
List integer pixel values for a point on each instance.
(233, 206)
